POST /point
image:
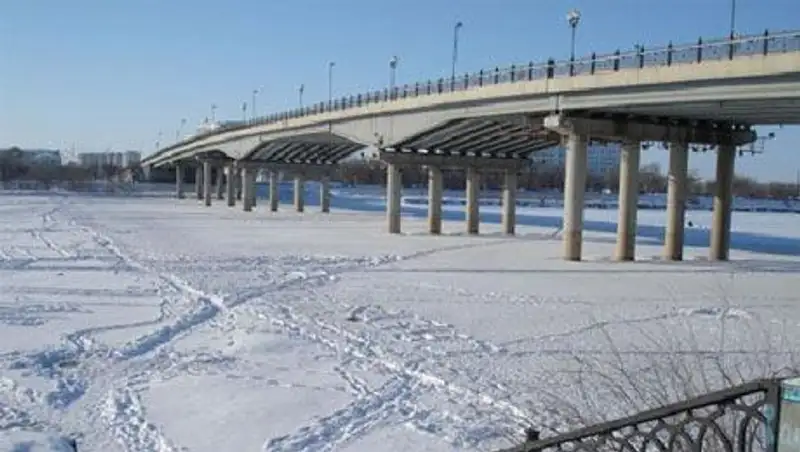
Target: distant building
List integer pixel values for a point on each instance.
(50, 157)
(602, 158)
(125, 159)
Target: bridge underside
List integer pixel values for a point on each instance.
(478, 140)
(318, 149)
(750, 112)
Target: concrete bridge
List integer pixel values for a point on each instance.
(709, 93)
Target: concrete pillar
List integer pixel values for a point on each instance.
(253, 188)
(299, 193)
(509, 201)
(239, 182)
(179, 181)
(274, 194)
(246, 176)
(394, 192)
(574, 194)
(723, 204)
(676, 201)
(198, 182)
(473, 208)
(230, 186)
(435, 200)
(325, 194)
(207, 182)
(628, 200)
(220, 183)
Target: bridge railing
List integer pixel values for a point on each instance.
(742, 419)
(711, 50)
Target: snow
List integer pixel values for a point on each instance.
(144, 323)
(25, 441)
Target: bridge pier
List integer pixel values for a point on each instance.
(198, 182)
(719, 249)
(274, 194)
(509, 202)
(628, 200)
(179, 181)
(574, 193)
(207, 183)
(325, 194)
(247, 188)
(473, 190)
(394, 192)
(220, 183)
(239, 181)
(435, 185)
(299, 193)
(230, 186)
(677, 181)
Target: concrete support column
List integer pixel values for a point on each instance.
(509, 202)
(473, 207)
(435, 185)
(239, 183)
(198, 182)
(628, 200)
(676, 201)
(179, 181)
(325, 194)
(230, 186)
(247, 186)
(299, 193)
(274, 194)
(394, 192)
(207, 183)
(574, 194)
(220, 183)
(723, 204)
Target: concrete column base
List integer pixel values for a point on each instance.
(230, 185)
(247, 187)
(435, 185)
(207, 183)
(179, 182)
(325, 194)
(220, 187)
(574, 195)
(394, 187)
(676, 201)
(628, 201)
(274, 194)
(299, 193)
(198, 182)
(509, 202)
(473, 206)
(720, 242)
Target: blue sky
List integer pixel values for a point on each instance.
(100, 73)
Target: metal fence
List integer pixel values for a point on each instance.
(738, 419)
(703, 50)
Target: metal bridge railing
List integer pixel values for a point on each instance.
(738, 419)
(712, 50)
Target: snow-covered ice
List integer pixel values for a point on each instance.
(151, 324)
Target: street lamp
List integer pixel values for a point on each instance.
(573, 19)
(300, 94)
(213, 113)
(330, 84)
(253, 104)
(244, 111)
(456, 28)
(158, 141)
(392, 74)
(180, 130)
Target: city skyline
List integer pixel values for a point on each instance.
(117, 86)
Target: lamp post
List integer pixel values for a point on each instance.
(213, 113)
(180, 130)
(300, 93)
(158, 140)
(733, 18)
(573, 19)
(456, 28)
(244, 111)
(330, 84)
(392, 75)
(253, 104)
